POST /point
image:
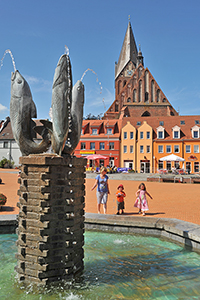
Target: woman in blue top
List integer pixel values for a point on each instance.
(101, 181)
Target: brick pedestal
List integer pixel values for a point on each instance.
(51, 218)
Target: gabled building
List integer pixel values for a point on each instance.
(100, 137)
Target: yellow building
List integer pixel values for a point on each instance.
(128, 147)
(145, 148)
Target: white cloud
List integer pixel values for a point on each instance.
(39, 84)
(3, 108)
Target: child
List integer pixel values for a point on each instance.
(141, 201)
(120, 199)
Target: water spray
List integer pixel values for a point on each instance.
(13, 62)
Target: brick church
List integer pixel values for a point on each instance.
(141, 126)
(136, 91)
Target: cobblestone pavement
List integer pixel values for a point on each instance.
(170, 200)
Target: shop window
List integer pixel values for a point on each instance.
(160, 165)
(196, 166)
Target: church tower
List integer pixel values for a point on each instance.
(137, 93)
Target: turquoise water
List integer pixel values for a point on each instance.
(117, 266)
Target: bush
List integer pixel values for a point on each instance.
(3, 199)
(6, 163)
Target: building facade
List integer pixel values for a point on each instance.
(139, 128)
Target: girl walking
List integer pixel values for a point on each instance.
(101, 181)
(141, 201)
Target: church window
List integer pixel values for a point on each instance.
(164, 100)
(140, 91)
(196, 121)
(124, 83)
(152, 91)
(146, 114)
(134, 96)
(116, 107)
(138, 123)
(158, 96)
(129, 90)
(146, 96)
(129, 99)
(147, 81)
(161, 123)
(182, 122)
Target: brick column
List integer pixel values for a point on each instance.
(51, 218)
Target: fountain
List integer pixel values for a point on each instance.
(51, 194)
(127, 267)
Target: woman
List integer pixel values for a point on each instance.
(101, 181)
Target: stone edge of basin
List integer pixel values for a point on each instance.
(188, 234)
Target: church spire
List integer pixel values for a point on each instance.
(129, 51)
(140, 57)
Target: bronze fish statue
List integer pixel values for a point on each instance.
(76, 118)
(22, 110)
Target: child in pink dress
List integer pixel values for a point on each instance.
(141, 201)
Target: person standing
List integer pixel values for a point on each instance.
(120, 199)
(101, 181)
(141, 201)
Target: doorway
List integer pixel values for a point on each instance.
(145, 166)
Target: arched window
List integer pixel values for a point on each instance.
(129, 99)
(146, 114)
(129, 90)
(146, 81)
(134, 96)
(124, 83)
(140, 91)
(158, 96)
(152, 91)
(146, 97)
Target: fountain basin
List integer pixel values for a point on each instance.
(117, 266)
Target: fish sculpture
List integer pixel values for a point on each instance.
(67, 113)
(76, 118)
(61, 103)
(22, 110)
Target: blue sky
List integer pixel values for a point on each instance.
(37, 31)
